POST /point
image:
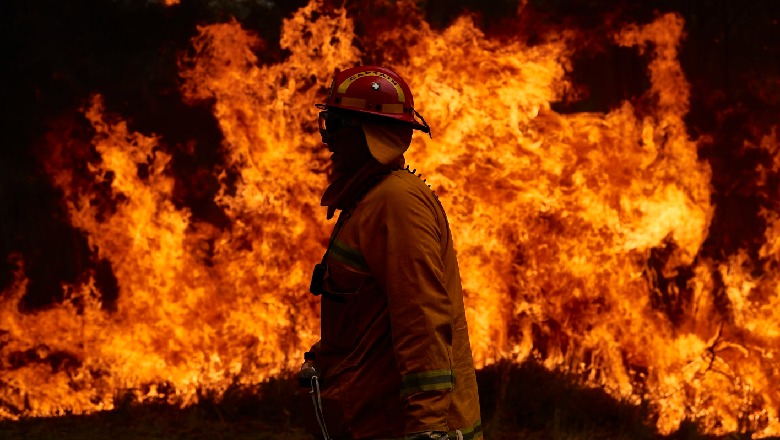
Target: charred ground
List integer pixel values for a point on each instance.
(518, 402)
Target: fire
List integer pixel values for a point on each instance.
(579, 235)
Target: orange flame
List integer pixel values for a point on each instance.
(571, 231)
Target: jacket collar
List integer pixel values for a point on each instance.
(346, 190)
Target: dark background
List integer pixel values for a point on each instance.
(55, 54)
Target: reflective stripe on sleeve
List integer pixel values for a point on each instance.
(346, 255)
(427, 381)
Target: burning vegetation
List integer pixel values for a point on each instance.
(632, 239)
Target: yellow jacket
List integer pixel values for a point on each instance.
(394, 355)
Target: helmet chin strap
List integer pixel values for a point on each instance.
(427, 127)
(325, 136)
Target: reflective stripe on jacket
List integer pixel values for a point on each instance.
(394, 356)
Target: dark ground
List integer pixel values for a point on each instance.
(518, 402)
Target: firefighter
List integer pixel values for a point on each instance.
(394, 359)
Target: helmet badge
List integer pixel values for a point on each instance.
(375, 86)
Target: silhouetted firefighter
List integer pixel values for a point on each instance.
(394, 360)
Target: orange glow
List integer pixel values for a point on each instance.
(556, 220)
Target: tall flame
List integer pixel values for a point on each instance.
(579, 235)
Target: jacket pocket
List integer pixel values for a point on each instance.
(344, 281)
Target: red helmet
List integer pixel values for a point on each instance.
(374, 90)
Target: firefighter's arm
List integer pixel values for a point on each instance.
(403, 239)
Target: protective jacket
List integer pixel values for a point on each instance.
(394, 356)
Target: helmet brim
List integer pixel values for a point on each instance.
(401, 118)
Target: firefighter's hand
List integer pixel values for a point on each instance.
(427, 435)
(308, 370)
